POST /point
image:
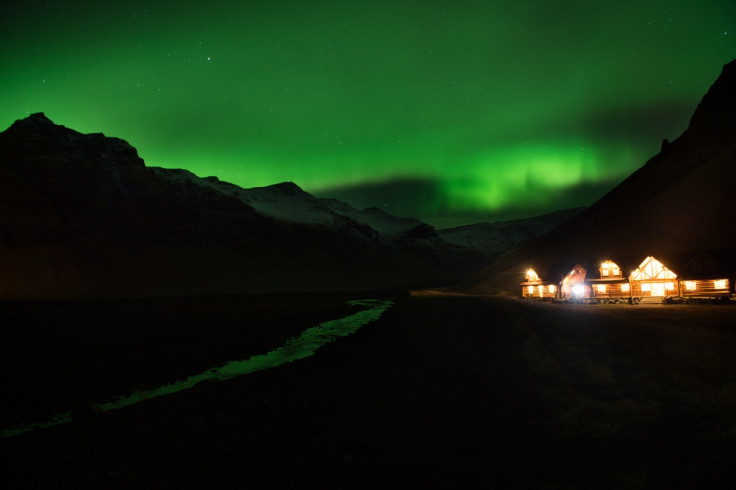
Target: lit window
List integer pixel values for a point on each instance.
(690, 285)
(601, 288)
(610, 268)
(530, 289)
(540, 289)
(646, 287)
(625, 288)
(532, 276)
(551, 288)
(719, 283)
(670, 286)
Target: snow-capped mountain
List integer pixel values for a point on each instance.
(82, 215)
(288, 202)
(503, 237)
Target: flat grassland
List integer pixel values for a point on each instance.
(442, 391)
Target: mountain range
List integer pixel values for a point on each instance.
(83, 216)
(680, 202)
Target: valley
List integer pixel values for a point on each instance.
(443, 390)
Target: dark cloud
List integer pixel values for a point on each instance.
(424, 199)
(400, 197)
(642, 125)
(649, 121)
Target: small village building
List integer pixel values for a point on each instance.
(573, 285)
(704, 276)
(610, 282)
(652, 278)
(534, 287)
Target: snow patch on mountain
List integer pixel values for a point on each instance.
(505, 236)
(288, 202)
(374, 217)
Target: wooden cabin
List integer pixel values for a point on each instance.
(653, 279)
(573, 285)
(534, 287)
(610, 282)
(703, 276)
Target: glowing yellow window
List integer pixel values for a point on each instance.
(540, 289)
(625, 288)
(551, 288)
(670, 286)
(646, 287)
(601, 288)
(719, 284)
(604, 271)
(690, 285)
(530, 289)
(616, 271)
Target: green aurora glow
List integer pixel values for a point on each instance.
(452, 112)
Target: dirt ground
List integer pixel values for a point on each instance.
(442, 391)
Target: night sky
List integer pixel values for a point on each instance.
(452, 112)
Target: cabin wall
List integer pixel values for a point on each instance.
(705, 287)
(664, 288)
(610, 290)
(539, 291)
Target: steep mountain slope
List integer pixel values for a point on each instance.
(680, 201)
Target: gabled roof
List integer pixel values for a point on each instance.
(576, 274)
(701, 264)
(627, 265)
(652, 268)
(550, 273)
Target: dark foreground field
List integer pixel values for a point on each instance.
(443, 391)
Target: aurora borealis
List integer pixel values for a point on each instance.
(452, 112)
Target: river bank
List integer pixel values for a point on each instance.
(62, 356)
(442, 391)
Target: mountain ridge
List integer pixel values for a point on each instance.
(84, 216)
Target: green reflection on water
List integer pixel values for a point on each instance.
(295, 348)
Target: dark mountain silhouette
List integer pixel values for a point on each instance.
(680, 202)
(82, 215)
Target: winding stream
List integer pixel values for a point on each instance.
(295, 348)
